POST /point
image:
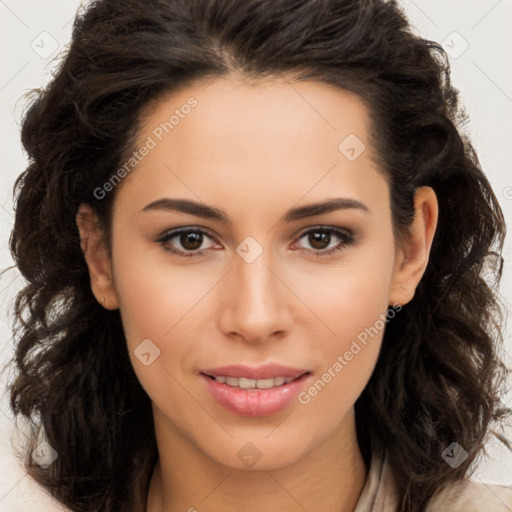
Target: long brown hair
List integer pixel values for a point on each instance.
(439, 375)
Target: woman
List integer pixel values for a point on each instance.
(259, 272)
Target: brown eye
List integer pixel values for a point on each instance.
(184, 242)
(191, 241)
(321, 238)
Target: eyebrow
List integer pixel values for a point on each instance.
(209, 212)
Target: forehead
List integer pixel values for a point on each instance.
(271, 107)
(229, 133)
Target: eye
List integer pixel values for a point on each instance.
(190, 239)
(320, 239)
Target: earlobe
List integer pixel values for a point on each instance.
(93, 244)
(412, 255)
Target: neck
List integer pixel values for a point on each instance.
(329, 478)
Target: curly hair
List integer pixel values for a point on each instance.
(439, 375)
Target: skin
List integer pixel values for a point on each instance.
(256, 150)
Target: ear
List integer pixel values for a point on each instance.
(413, 252)
(94, 247)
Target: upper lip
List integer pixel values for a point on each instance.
(266, 371)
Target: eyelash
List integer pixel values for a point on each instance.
(346, 236)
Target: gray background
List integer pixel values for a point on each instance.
(476, 34)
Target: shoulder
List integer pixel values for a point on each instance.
(471, 496)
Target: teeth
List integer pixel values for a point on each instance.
(253, 383)
(231, 381)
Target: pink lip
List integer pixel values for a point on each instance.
(255, 402)
(265, 371)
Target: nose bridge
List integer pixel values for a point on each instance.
(255, 281)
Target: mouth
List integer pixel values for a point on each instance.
(255, 392)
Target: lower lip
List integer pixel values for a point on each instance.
(253, 402)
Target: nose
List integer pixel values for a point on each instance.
(255, 301)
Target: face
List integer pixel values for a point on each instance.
(265, 281)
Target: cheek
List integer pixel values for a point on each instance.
(155, 295)
(357, 315)
(358, 320)
(353, 310)
(159, 302)
(350, 298)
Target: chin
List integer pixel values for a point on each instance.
(259, 455)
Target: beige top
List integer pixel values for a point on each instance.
(378, 494)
